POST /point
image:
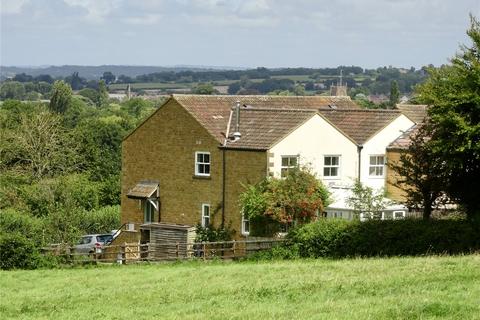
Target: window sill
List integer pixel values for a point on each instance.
(202, 177)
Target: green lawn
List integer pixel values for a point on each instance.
(396, 288)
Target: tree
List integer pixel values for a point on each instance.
(298, 198)
(102, 94)
(205, 88)
(75, 81)
(366, 200)
(394, 93)
(61, 97)
(453, 93)
(39, 146)
(420, 173)
(12, 90)
(108, 77)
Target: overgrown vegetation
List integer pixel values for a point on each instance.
(342, 238)
(60, 166)
(444, 156)
(297, 198)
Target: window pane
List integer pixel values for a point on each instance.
(381, 160)
(326, 172)
(207, 168)
(373, 161)
(335, 161)
(283, 172)
(333, 172)
(199, 157)
(371, 171)
(206, 158)
(293, 161)
(284, 162)
(328, 161)
(206, 211)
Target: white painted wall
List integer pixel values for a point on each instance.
(312, 140)
(377, 146)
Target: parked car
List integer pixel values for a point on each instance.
(93, 243)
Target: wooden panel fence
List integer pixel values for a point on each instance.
(167, 251)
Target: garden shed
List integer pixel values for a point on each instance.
(167, 240)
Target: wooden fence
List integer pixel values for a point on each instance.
(168, 251)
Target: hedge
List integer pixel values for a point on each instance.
(341, 238)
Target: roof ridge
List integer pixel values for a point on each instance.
(279, 109)
(360, 110)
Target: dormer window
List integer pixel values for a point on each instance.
(202, 164)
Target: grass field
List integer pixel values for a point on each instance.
(396, 288)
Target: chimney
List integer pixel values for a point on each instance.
(236, 134)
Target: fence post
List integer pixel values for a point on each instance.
(204, 251)
(234, 243)
(177, 249)
(124, 255)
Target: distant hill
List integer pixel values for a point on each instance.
(95, 72)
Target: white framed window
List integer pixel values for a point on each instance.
(202, 163)
(288, 162)
(398, 214)
(376, 166)
(245, 225)
(205, 215)
(331, 166)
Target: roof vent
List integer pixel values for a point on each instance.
(332, 106)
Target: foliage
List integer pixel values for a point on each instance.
(419, 173)
(341, 238)
(61, 97)
(102, 220)
(452, 92)
(212, 234)
(298, 198)
(204, 88)
(394, 94)
(18, 252)
(367, 201)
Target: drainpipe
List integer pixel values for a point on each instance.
(359, 151)
(224, 160)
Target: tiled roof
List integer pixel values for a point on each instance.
(415, 112)
(403, 142)
(262, 128)
(361, 124)
(213, 111)
(143, 190)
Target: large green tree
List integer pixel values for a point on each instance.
(61, 97)
(453, 91)
(420, 173)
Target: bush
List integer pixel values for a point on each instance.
(102, 220)
(340, 238)
(12, 221)
(18, 252)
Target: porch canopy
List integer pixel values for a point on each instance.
(143, 190)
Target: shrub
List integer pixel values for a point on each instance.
(101, 220)
(340, 238)
(16, 251)
(12, 221)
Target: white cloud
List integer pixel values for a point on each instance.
(148, 19)
(12, 6)
(97, 10)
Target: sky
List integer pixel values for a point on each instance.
(235, 33)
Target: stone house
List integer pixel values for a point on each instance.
(189, 161)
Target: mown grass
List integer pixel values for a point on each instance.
(395, 288)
